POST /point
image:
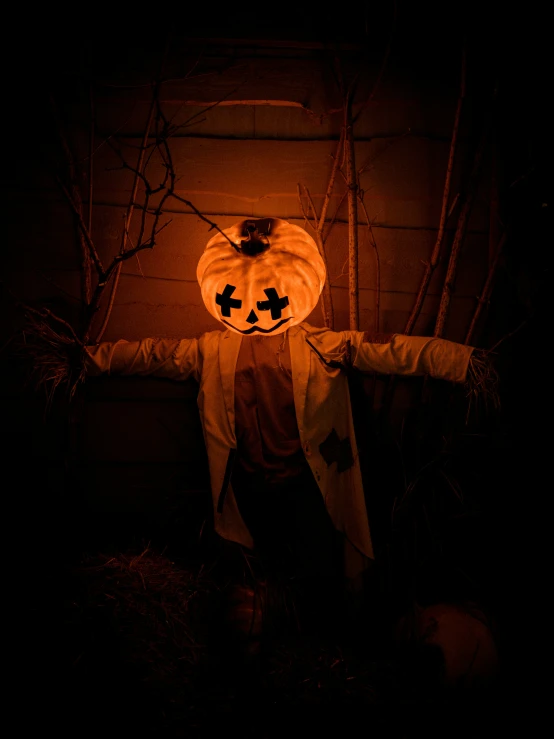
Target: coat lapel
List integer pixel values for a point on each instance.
(229, 347)
(300, 366)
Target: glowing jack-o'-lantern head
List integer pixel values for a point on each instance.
(261, 276)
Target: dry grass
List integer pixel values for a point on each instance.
(153, 602)
(51, 352)
(150, 652)
(482, 384)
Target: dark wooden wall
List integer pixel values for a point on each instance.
(257, 115)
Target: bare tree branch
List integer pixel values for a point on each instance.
(352, 184)
(127, 223)
(378, 266)
(87, 277)
(437, 249)
(448, 287)
(211, 224)
(331, 183)
(318, 225)
(484, 298)
(82, 225)
(326, 297)
(73, 196)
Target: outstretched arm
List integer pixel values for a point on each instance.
(439, 358)
(399, 354)
(168, 358)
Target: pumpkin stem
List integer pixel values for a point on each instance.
(256, 241)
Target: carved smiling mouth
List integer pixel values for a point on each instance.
(254, 328)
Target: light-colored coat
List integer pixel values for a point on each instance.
(321, 399)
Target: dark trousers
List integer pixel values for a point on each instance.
(296, 542)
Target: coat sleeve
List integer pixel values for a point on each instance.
(167, 358)
(411, 355)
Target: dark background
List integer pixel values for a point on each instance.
(505, 458)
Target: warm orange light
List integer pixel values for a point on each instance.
(270, 280)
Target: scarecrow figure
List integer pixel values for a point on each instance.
(274, 400)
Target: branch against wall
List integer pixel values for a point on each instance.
(498, 234)
(147, 232)
(484, 298)
(144, 210)
(465, 210)
(373, 244)
(326, 296)
(73, 194)
(128, 218)
(352, 185)
(437, 249)
(318, 225)
(446, 212)
(367, 167)
(87, 266)
(352, 177)
(52, 346)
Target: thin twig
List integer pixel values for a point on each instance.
(47, 313)
(82, 225)
(436, 253)
(482, 382)
(331, 184)
(487, 289)
(213, 226)
(318, 225)
(130, 209)
(87, 277)
(509, 335)
(377, 266)
(463, 218)
(73, 196)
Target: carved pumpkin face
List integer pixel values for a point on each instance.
(265, 277)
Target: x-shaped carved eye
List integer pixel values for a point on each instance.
(225, 300)
(273, 303)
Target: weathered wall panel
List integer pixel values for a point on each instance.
(390, 113)
(304, 82)
(260, 178)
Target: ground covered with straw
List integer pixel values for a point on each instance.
(157, 646)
